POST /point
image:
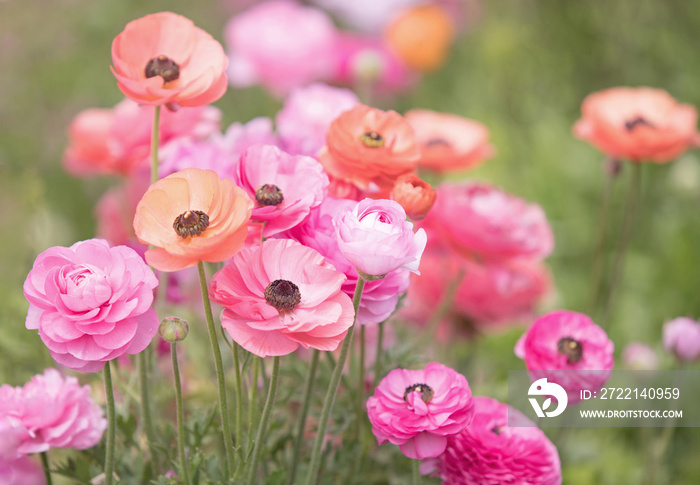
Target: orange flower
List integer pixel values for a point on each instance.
(192, 216)
(163, 58)
(639, 124)
(449, 142)
(422, 36)
(415, 195)
(370, 148)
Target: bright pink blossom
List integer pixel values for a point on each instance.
(571, 342)
(91, 303)
(281, 45)
(280, 295)
(376, 238)
(308, 113)
(478, 220)
(419, 409)
(491, 452)
(284, 187)
(55, 412)
(118, 140)
(681, 337)
(21, 471)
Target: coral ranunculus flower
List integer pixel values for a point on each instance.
(415, 195)
(449, 142)
(422, 36)
(370, 148)
(638, 124)
(280, 295)
(191, 216)
(163, 58)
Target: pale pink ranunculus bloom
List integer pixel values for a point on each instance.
(681, 337)
(21, 471)
(367, 15)
(569, 349)
(376, 238)
(205, 154)
(114, 211)
(56, 412)
(117, 141)
(379, 297)
(91, 303)
(418, 409)
(639, 356)
(489, 451)
(241, 136)
(478, 220)
(284, 187)
(308, 113)
(279, 295)
(280, 45)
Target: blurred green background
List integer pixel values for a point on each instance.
(522, 69)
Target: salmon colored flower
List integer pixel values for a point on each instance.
(191, 216)
(280, 295)
(422, 36)
(639, 124)
(414, 194)
(370, 148)
(163, 58)
(449, 142)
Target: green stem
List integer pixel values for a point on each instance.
(332, 390)
(181, 437)
(659, 447)
(146, 405)
(301, 424)
(223, 408)
(625, 237)
(378, 357)
(415, 466)
(264, 420)
(155, 137)
(239, 394)
(252, 396)
(111, 425)
(599, 251)
(445, 303)
(361, 375)
(47, 469)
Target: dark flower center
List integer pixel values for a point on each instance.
(269, 195)
(496, 430)
(571, 348)
(433, 142)
(191, 223)
(426, 392)
(164, 67)
(372, 139)
(283, 295)
(635, 122)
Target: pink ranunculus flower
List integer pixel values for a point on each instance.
(281, 45)
(91, 303)
(280, 295)
(478, 220)
(488, 451)
(55, 412)
(115, 210)
(379, 297)
(308, 113)
(419, 409)
(118, 140)
(205, 154)
(681, 337)
(569, 349)
(367, 15)
(639, 356)
(241, 136)
(284, 187)
(21, 471)
(376, 238)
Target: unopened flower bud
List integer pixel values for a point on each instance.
(368, 65)
(173, 329)
(413, 194)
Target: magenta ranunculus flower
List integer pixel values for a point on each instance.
(91, 303)
(569, 349)
(55, 413)
(479, 220)
(419, 409)
(681, 337)
(280, 295)
(284, 187)
(376, 238)
(379, 297)
(308, 113)
(488, 451)
(21, 471)
(281, 45)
